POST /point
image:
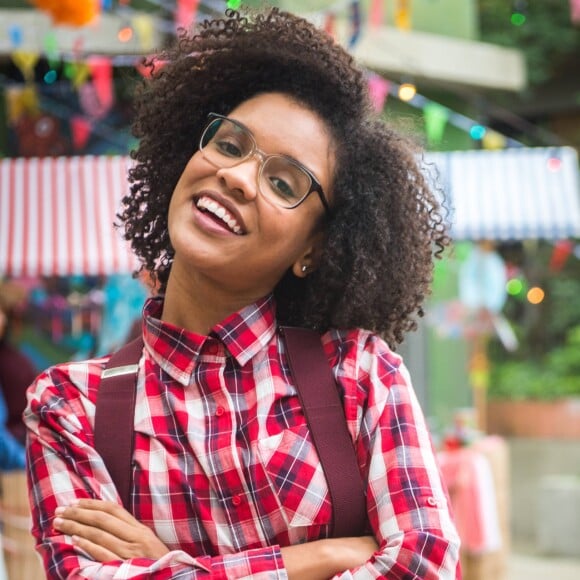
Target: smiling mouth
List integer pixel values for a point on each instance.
(219, 213)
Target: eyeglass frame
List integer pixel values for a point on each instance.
(315, 185)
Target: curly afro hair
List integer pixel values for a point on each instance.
(386, 223)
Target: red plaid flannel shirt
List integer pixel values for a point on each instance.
(225, 472)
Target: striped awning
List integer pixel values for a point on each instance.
(511, 194)
(57, 214)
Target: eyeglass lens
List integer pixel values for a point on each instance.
(225, 144)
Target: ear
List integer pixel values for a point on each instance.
(310, 258)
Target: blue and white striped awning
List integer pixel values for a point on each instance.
(511, 194)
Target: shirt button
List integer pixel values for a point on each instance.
(236, 500)
(212, 349)
(219, 411)
(432, 502)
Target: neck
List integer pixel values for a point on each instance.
(196, 304)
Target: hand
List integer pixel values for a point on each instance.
(323, 559)
(106, 531)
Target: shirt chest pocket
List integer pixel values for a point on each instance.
(295, 476)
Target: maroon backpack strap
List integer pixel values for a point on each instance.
(324, 414)
(114, 416)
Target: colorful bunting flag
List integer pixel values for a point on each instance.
(80, 128)
(355, 20)
(378, 91)
(50, 43)
(25, 61)
(185, 13)
(330, 23)
(90, 103)
(101, 69)
(15, 35)
(560, 254)
(403, 14)
(21, 100)
(376, 13)
(145, 28)
(436, 117)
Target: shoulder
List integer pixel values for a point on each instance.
(69, 380)
(365, 367)
(360, 351)
(367, 372)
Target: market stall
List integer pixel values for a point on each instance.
(511, 194)
(57, 213)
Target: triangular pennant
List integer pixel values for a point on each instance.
(185, 13)
(80, 128)
(436, 117)
(25, 61)
(378, 91)
(101, 68)
(403, 14)
(376, 13)
(355, 20)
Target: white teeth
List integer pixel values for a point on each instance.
(219, 211)
(231, 223)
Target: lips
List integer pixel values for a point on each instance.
(222, 211)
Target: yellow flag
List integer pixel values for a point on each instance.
(403, 14)
(20, 101)
(144, 26)
(80, 73)
(26, 62)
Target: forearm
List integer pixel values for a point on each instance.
(420, 555)
(323, 559)
(256, 564)
(425, 555)
(307, 561)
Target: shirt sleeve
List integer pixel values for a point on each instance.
(406, 499)
(62, 466)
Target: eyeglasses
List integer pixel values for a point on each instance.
(281, 179)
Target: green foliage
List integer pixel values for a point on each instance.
(557, 375)
(547, 37)
(547, 362)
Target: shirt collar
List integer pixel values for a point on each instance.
(246, 332)
(243, 334)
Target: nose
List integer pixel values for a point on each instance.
(242, 177)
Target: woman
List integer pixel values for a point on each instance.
(264, 193)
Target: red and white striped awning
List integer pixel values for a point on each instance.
(57, 214)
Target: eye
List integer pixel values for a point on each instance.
(282, 187)
(285, 179)
(228, 147)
